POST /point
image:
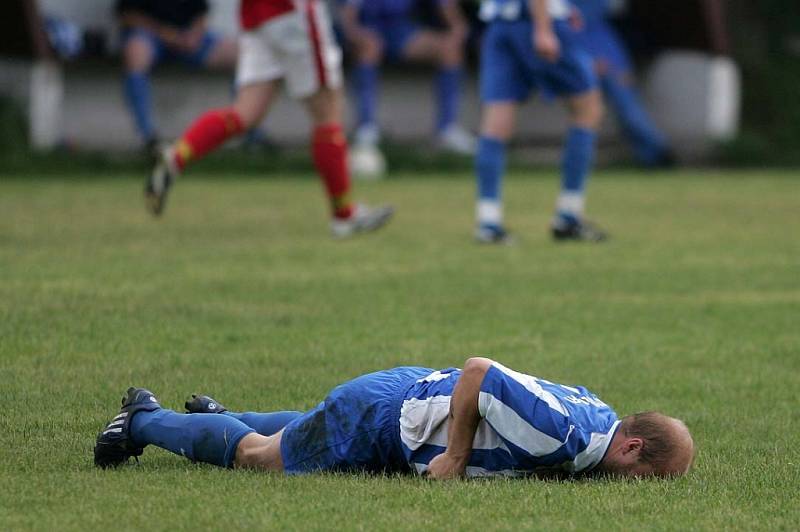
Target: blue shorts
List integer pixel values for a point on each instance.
(164, 53)
(511, 70)
(395, 34)
(603, 44)
(356, 428)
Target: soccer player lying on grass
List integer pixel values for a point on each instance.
(293, 42)
(484, 420)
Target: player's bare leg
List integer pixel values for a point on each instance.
(498, 122)
(326, 106)
(434, 47)
(259, 452)
(586, 110)
(446, 50)
(224, 55)
(499, 119)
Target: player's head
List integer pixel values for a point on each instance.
(650, 444)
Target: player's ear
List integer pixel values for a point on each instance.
(633, 445)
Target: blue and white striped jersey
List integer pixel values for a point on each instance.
(518, 9)
(528, 424)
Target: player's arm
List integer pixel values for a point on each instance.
(545, 41)
(451, 15)
(463, 423)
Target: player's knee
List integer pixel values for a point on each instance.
(326, 106)
(254, 451)
(451, 53)
(498, 121)
(370, 51)
(138, 54)
(588, 110)
(596, 111)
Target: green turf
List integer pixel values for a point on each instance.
(693, 308)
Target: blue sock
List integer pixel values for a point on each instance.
(137, 94)
(209, 438)
(265, 424)
(577, 163)
(366, 85)
(578, 159)
(490, 165)
(649, 145)
(448, 96)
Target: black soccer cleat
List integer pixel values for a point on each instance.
(114, 445)
(203, 404)
(578, 231)
(159, 182)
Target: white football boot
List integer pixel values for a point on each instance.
(363, 220)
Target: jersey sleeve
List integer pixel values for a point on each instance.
(531, 421)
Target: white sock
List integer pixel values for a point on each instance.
(572, 203)
(489, 212)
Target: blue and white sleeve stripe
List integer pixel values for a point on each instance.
(528, 418)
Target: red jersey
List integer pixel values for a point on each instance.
(256, 12)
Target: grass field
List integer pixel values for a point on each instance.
(693, 308)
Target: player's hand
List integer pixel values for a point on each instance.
(576, 19)
(546, 44)
(444, 467)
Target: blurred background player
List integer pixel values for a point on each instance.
(289, 40)
(154, 31)
(615, 74)
(530, 45)
(379, 30)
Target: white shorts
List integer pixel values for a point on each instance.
(298, 47)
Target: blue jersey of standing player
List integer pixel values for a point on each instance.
(527, 424)
(509, 10)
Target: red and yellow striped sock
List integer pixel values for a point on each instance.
(329, 150)
(206, 134)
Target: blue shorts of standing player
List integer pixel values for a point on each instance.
(613, 67)
(483, 421)
(158, 31)
(523, 53)
(386, 30)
